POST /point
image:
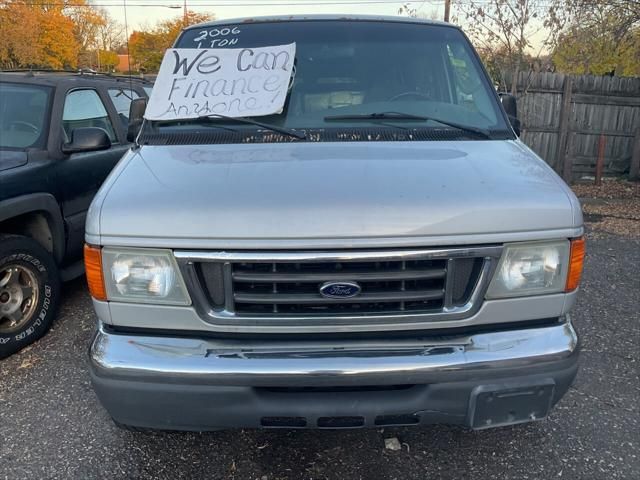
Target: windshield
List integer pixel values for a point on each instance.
(347, 70)
(23, 113)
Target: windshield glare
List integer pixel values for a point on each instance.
(23, 110)
(364, 67)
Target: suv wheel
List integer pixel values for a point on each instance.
(29, 292)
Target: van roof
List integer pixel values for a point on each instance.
(333, 17)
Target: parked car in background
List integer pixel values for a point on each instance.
(383, 250)
(61, 133)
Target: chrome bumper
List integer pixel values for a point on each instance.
(190, 361)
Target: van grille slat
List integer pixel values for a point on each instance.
(321, 277)
(311, 298)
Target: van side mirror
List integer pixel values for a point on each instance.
(136, 116)
(511, 108)
(87, 139)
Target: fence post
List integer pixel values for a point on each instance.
(634, 170)
(602, 143)
(567, 168)
(563, 131)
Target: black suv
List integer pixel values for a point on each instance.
(61, 133)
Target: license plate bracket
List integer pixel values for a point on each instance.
(510, 403)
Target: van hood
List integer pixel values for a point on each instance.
(332, 195)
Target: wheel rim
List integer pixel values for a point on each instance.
(18, 296)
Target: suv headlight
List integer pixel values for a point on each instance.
(143, 275)
(531, 269)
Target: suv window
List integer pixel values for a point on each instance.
(23, 114)
(83, 108)
(122, 98)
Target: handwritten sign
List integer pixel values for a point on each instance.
(217, 37)
(240, 82)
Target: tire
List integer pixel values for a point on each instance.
(29, 292)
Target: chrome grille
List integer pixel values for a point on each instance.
(263, 289)
(294, 288)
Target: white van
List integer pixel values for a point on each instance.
(384, 251)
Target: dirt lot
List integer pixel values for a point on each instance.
(51, 425)
(613, 207)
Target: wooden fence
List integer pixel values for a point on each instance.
(563, 118)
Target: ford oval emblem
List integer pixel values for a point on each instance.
(340, 289)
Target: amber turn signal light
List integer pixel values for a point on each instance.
(576, 260)
(93, 270)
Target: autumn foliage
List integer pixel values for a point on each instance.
(147, 47)
(36, 35)
(76, 34)
(601, 38)
(45, 34)
(570, 36)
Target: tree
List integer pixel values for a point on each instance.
(96, 33)
(45, 34)
(58, 47)
(36, 35)
(499, 63)
(110, 34)
(147, 47)
(408, 10)
(508, 27)
(146, 50)
(86, 24)
(18, 34)
(108, 60)
(600, 37)
(170, 29)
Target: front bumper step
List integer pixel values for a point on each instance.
(480, 380)
(213, 362)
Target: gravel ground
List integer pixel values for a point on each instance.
(51, 425)
(612, 207)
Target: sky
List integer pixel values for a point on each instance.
(141, 13)
(146, 13)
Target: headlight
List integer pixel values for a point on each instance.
(143, 275)
(531, 269)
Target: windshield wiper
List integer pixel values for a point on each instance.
(215, 116)
(408, 116)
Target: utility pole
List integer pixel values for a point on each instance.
(447, 8)
(184, 14)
